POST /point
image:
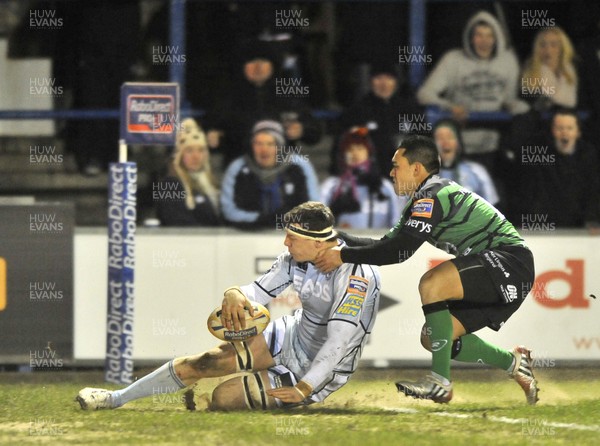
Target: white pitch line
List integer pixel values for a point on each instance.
(542, 424)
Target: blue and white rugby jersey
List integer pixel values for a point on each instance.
(338, 312)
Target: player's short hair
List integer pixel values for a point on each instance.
(311, 216)
(422, 149)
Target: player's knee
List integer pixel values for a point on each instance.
(221, 399)
(433, 288)
(204, 362)
(427, 286)
(242, 393)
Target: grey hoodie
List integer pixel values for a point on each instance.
(461, 78)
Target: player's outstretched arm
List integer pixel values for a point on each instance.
(386, 251)
(352, 240)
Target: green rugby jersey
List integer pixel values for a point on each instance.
(454, 219)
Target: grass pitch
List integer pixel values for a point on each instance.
(487, 409)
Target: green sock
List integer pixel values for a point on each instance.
(439, 325)
(475, 349)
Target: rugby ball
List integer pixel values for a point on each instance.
(255, 325)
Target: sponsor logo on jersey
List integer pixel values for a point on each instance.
(351, 305)
(357, 285)
(422, 208)
(420, 225)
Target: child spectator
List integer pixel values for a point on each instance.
(473, 176)
(359, 197)
(561, 184)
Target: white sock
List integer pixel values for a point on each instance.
(162, 380)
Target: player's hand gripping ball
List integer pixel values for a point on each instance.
(255, 325)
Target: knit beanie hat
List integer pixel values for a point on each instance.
(273, 128)
(191, 134)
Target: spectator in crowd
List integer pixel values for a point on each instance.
(189, 195)
(549, 78)
(260, 187)
(561, 184)
(480, 77)
(471, 175)
(549, 81)
(261, 95)
(365, 35)
(359, 197)
(379, 110)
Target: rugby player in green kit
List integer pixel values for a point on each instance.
(482, 286)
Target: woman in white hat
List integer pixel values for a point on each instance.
(189, 195)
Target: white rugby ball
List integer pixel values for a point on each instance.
(255, 325)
